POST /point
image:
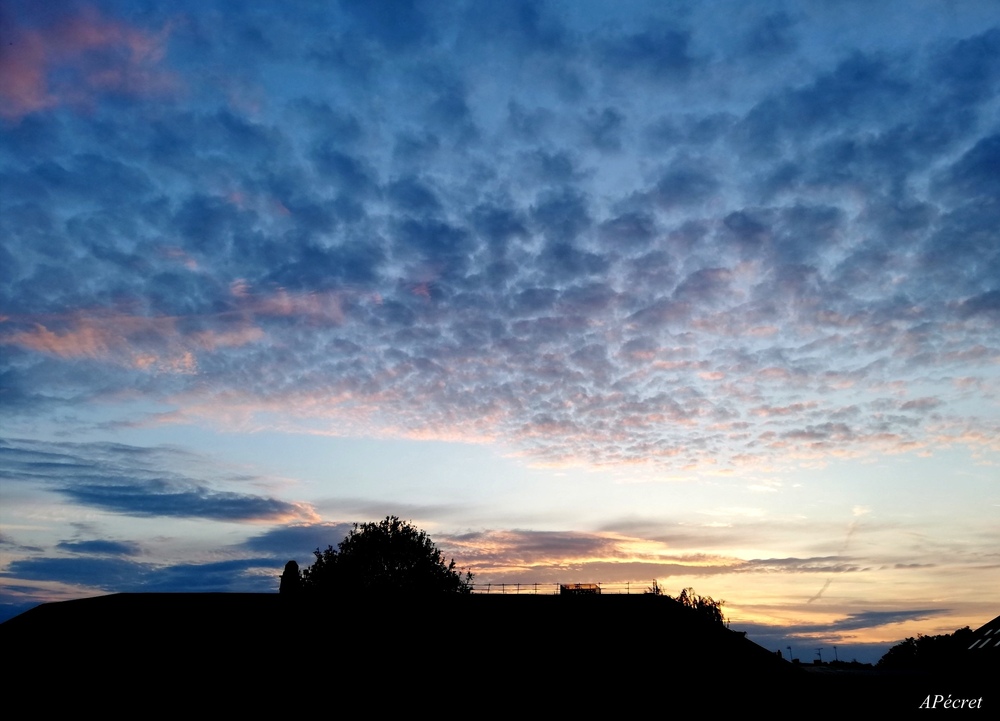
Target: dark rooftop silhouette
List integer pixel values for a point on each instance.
(512, 650)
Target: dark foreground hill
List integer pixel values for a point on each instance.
(454, 655)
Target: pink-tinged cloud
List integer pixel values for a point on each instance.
(77, 58)
(319, 308)
(316, 307)
(546, 556)
(153, 344)
(211, 340)
(84, 341)
(23, 86)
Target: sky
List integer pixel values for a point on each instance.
(701, 292)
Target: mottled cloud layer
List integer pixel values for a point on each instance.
(560, 255)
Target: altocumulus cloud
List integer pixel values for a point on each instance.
(781, 223)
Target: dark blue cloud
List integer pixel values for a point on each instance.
(412, 195)
(807, 232)
(528, 123)
(683, 184)
(84, 178)
(34, 139)
(603, 130)
(861, 88)
(562, 215)
(552, 167)
(901, 219)
(960, 254)
(975, 173)
(238, 136)
(338, 127)
(705, 286)
(561, 260)
(589, 298)
(771, 35)
(111, 574)
(12, 545)
(661, 312)
(101, 547)
(628, 231)
(987, 303)
(396, 24)
(243, 575)
(749, 228)
(122, 575)
(443, 246)
(524, 26)
(499, 224)
(154, 498)
(444, 102)
(968, 69)
(133, 480)
(874, 619)
(298, 542)
(318, 268)
(661, 53)
(207, 224)
(705, 130)
(345, 172)
(416, 148)
(531, 301)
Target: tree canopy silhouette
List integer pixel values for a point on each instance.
(927, 652)
(705, 606)
(391, 556)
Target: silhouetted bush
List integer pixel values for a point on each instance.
(391, 556)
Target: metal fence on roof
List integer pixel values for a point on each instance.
(552, 589)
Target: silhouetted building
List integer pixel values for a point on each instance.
(987, 641)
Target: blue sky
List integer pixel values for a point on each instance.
(703, 292)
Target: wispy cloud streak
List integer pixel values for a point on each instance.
(137, 481)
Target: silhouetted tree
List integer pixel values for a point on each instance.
(706, 606)
(928, 652)
(389, 556)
